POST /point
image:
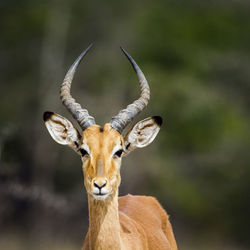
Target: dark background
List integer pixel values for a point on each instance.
(195, 55)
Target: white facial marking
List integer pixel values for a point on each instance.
(100, 194)
(86, 147)
(101, 197)
(115, 149)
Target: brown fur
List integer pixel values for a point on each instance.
(125, 223)
(142, 223)
(130, 222)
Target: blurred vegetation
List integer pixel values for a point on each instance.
(196, 57)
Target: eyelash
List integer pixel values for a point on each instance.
(119, 153)
(83, 152)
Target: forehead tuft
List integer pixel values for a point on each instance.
(107, 129)
(102, 134)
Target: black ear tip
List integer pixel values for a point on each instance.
(47, 115)
(158, 120)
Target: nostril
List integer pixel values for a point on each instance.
(100, 186)
(96, 185)
(104, 184)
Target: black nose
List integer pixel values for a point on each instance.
(100, 186)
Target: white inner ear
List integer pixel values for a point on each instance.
(61, 130)
(143, 133)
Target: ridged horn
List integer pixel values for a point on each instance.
(81, 115)
(125, 116)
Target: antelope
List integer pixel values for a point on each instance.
(131, 221)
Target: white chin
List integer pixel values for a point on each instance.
(100, 197)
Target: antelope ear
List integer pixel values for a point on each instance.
(61, 130)
(143, 133)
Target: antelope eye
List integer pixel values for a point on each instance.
(83, 152)
(119, 153)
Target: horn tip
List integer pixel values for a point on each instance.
(131, 60)
(86, 50)
(91, 44)
(124, 51)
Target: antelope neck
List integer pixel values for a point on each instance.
(104, 226)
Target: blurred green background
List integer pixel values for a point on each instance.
(196, 57)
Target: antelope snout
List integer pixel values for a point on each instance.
(100, 190)
(100, 183)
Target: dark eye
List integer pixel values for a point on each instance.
(119, 152)
(83, 152)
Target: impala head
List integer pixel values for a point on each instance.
(101, 148)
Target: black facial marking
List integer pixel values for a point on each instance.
(47, 115)
(158, 120)
(101, 129)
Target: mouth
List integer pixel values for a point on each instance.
(100, 195)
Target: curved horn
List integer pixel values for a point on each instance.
(81, 115)
(125, 116)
